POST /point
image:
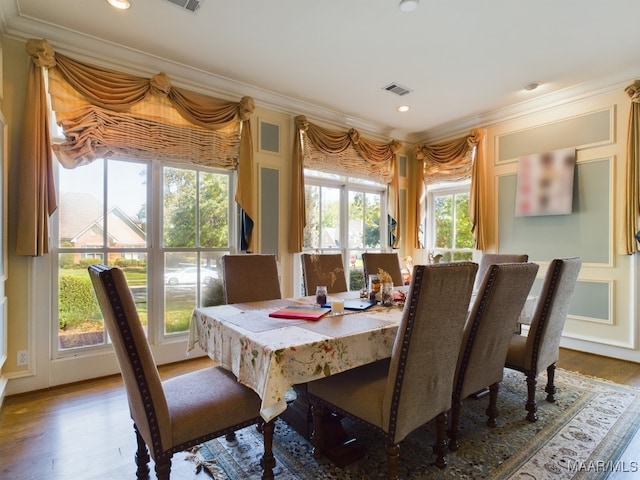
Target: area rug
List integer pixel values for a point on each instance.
(580, 436)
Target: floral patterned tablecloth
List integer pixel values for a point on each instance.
(270, 355)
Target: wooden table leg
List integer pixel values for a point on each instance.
(339, 447)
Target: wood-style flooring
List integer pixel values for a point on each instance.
(83, 431)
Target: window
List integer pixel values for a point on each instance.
(448, 226)
(165, 225)
(346, 215)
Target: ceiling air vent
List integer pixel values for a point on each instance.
(397, 89)
(191, 5)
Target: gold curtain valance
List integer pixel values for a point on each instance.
(347, 153)
(120, 91)
(456, 160)
(450, 161)
(631, 222)
(150, 129)
(109, 98)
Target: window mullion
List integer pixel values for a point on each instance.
(155, 257)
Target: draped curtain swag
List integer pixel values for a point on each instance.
(631, 223)
(111, 111)
(340, 152)
(453, 161)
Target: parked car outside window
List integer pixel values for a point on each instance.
(189, 275)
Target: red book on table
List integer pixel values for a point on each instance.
(304, 312)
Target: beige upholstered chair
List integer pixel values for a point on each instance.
(487, 333)
(172, 415)
(323, 269)
(398, 395)
(497, 258)
(250, 278)
(540, 348)
(389, 262)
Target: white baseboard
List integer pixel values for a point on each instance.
(3, 389)
(601, 349)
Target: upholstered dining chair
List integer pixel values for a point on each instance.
(323, 269)
(497, 258)
(539, 350)
(398, 395)
(178, 413)
(250, 278)
(389, 262)
(487, 333)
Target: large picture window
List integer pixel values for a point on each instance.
(165, 225)
(345, 215)
(448, 231)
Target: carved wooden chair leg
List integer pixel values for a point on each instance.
(142, 457)
(531, 398)
(317, 437)
(492, 409)
(454, 429)
(163, 468)
(551, 388)
(268, 461)
(393, 453)
(440, 447)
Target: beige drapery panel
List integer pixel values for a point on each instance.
(632, 194)
(452, 161)
(340, 152)
(36, 191)
(112, 97)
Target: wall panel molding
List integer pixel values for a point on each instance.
(580, 131)
(269, 210)
(587, 232)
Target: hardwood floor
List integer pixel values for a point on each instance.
(83, 431)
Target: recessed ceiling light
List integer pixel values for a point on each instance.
(403, 108)
(532, 86)
(120, 4)
(408, 5)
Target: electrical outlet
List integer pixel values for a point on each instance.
(23, 357)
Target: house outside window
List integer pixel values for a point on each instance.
(166, 226)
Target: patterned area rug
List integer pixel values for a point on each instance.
(581, 435)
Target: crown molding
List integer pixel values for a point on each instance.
(598, 87)
(136, 62)
(111, 55)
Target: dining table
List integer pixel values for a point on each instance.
(272, 355)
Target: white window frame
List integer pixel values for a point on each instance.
(154, 250)
(444, 188)
(346, 185)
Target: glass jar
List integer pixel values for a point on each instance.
(374, 287)
(386, 294)
(321, 295)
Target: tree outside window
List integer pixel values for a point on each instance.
(450, 236)
(104, 217)
(344, 215)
